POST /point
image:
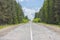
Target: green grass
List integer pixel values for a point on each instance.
(51, 25)
(4, 26)
(1, 27)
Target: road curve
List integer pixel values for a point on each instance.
(31, 31)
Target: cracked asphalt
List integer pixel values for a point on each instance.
(31, 31)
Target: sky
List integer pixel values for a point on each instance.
(30, 7)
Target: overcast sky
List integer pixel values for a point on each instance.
(30, 7)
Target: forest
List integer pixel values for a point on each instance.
(10, 12)
(50, 12)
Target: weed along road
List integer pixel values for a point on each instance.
(31, 31)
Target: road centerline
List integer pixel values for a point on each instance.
(31, 32)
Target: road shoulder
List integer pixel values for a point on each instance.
(54, 28)
(6, 30)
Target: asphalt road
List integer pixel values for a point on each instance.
(31, 31)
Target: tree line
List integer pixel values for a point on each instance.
(50, 12)
(10, 12)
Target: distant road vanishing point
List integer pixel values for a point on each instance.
(31, 31)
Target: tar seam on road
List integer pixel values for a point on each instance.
(31, 32)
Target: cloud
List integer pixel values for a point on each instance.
(29, 12)
(19, 1)
(24, 0)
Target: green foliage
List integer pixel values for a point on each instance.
(24, 20)
(10, 12)
(50, 12)
(36, 20)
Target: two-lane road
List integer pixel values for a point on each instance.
(31, 31)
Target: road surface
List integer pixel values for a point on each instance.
(31, 31)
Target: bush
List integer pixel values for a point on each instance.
(36, 20)
(25, 20)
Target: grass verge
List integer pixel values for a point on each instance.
(5, 26)
(55, 28)
(51, 25)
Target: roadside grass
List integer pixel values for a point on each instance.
(55, 28)
(5, 26)
(52, 25)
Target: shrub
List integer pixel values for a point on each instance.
(36, 20)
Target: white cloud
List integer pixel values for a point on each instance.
(19, 0)
(37, 9)
(28, 12)
(24, 0)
